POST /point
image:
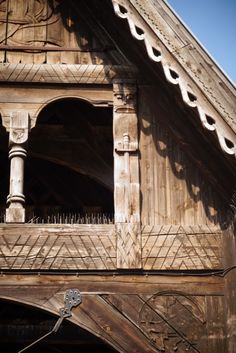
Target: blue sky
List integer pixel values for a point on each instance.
(213, 22)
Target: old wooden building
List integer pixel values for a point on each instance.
(117, 177)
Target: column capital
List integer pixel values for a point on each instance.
(19, 127)
(18, 137)
(124, 97)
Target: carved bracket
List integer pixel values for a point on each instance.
(124, 98)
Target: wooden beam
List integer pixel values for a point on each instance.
(126, 177)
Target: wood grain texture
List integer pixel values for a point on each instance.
(48, 32)
(176, 186)
(229, 250)
(173, 321)
(181, 247)
(94, 247)
(126, 163)
(133, 314)
(126, 177)
(128, 245)
(187, 51)
(58, 247)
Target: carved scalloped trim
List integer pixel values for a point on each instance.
(155, 54)
(166, 39)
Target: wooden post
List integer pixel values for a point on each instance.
(230, 287)
(126, 176)
(19, 127)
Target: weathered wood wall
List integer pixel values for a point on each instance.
(174, 188)
(229, 250)
(58, 247)
(182, 211)
(39, 32)
(134, 313)
(167, 247)
(94, 247)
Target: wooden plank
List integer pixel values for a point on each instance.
(176, 39)
(129, 305)
(130, 312)
(73, 248)
(13, 285)
(128, 245)
(179, 248)
(172, 319)
(126, 166)
(181, 191)
(126, 177)
(116, 326)
(3, 30)
(63, 73)
(229, 249)
(216, 325)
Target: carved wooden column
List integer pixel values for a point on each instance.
(18, 136)
(126, 177)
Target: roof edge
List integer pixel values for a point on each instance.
(175, 73)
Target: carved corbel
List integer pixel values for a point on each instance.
(124, 98)
(126, 175)
(18, 137)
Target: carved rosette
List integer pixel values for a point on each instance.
(174, 322)
(126, 175)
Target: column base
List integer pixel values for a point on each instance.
(15, 215)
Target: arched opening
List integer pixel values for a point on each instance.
(69, 169)
(21, 325)
(4, 171)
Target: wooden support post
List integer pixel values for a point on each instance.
(18, 136)
(126, 175)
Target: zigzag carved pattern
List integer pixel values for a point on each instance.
(62, 73)
(68, 248)
(181, 248)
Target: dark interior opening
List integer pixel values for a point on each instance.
(69, 169)
(21, 325)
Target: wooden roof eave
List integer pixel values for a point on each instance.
(215, 114)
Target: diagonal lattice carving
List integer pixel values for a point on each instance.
(181, 248)
(63, 73)
(67, 248)
(128, 245)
